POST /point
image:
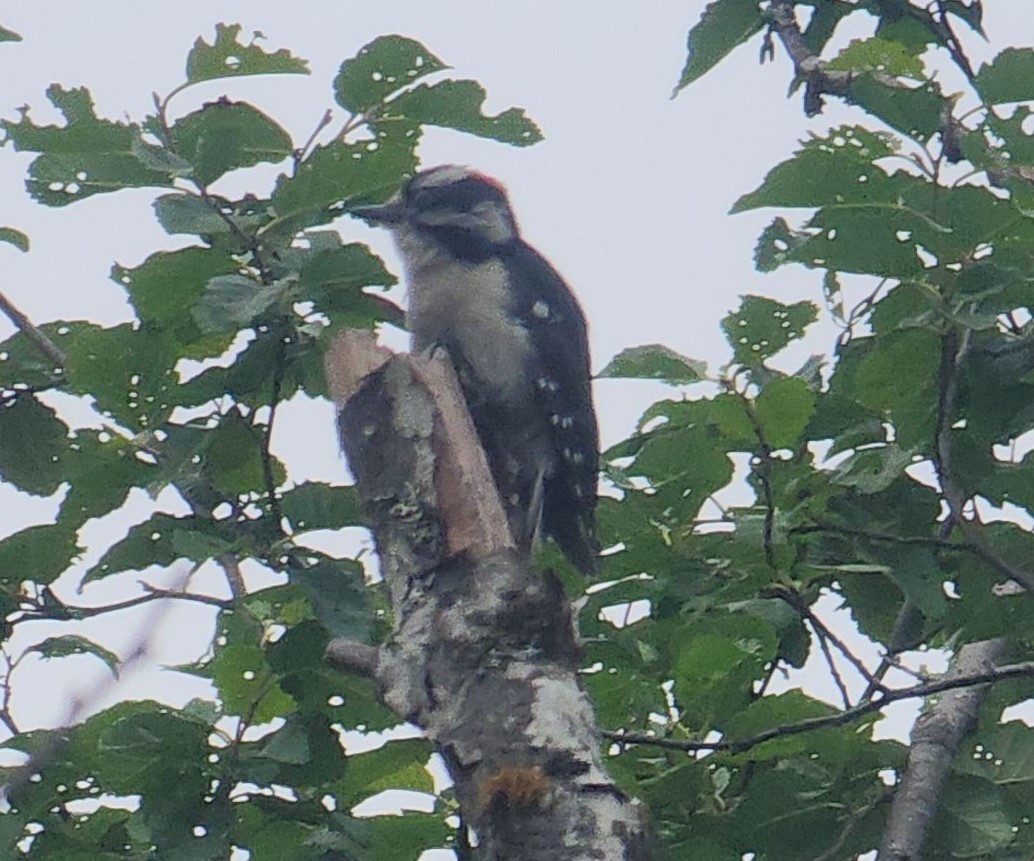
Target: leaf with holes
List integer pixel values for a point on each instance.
(762, 327)
(228, 57)
(382, 67)
(459, 105)
(32, 441)
(655, 362)
(834, 170)
(336, 175)
(160, 540)
(86, 156)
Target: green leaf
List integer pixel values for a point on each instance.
(86, 156)
(338, 174)
(160, 540)
(14, 237)
(1009, 77)
(224, 136)
(165, 289)
(73, 644)
(243, 682)
(188, 213)
(873, 470)
(128, 369)
(235, 458)
(899, 379)
(234, 302)
(724, 25)
(382, 67)
(314, 505)
(762, 327)
(338, 595)
(777, 246)
(783, 410)
(459, 105)
(397, 765)
(913, 111)
(878, 55)
(836, 169)
(228, 57)
(9, 35)
(38, 553)
(32, 440)
(655, 362)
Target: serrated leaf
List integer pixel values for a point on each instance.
(914, 111)
(777, 245)
(338, 174)
(14, 237)
(1009, 77)
(188, 213)
(223, 136)
(233, 302)
(762, 327)
(128, 369)
(878, 55)
(228, 57)
(655, 362)
(86, 156)
(73, 644)
(459, 105)
(836, 169)
(382, 67)
(783, 410)
(32, 440)
(165, 288)
(723, 26)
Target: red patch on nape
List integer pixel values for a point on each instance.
(489, 180)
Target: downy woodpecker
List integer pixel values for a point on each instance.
(517, 338)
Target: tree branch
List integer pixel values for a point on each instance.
(38, 338)
(935, 740)
(483, 656)
(1008, 671)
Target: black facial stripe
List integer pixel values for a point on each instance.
(459, 196)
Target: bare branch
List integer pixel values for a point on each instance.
(39, 340)
(1008, 671)
(353, 657)
(935, 740)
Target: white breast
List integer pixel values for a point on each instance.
(467, 305)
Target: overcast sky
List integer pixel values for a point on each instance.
(628, 195)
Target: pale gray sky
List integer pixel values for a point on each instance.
(628, 195)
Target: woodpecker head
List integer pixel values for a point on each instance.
(452, 207)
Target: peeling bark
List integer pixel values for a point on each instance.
(935, 739)
(483, 656)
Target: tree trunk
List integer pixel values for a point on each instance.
(483, 656)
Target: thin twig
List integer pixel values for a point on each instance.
(1008, 671)
(834, 671)
(38, 338)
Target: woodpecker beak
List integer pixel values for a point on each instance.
(383, 213)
